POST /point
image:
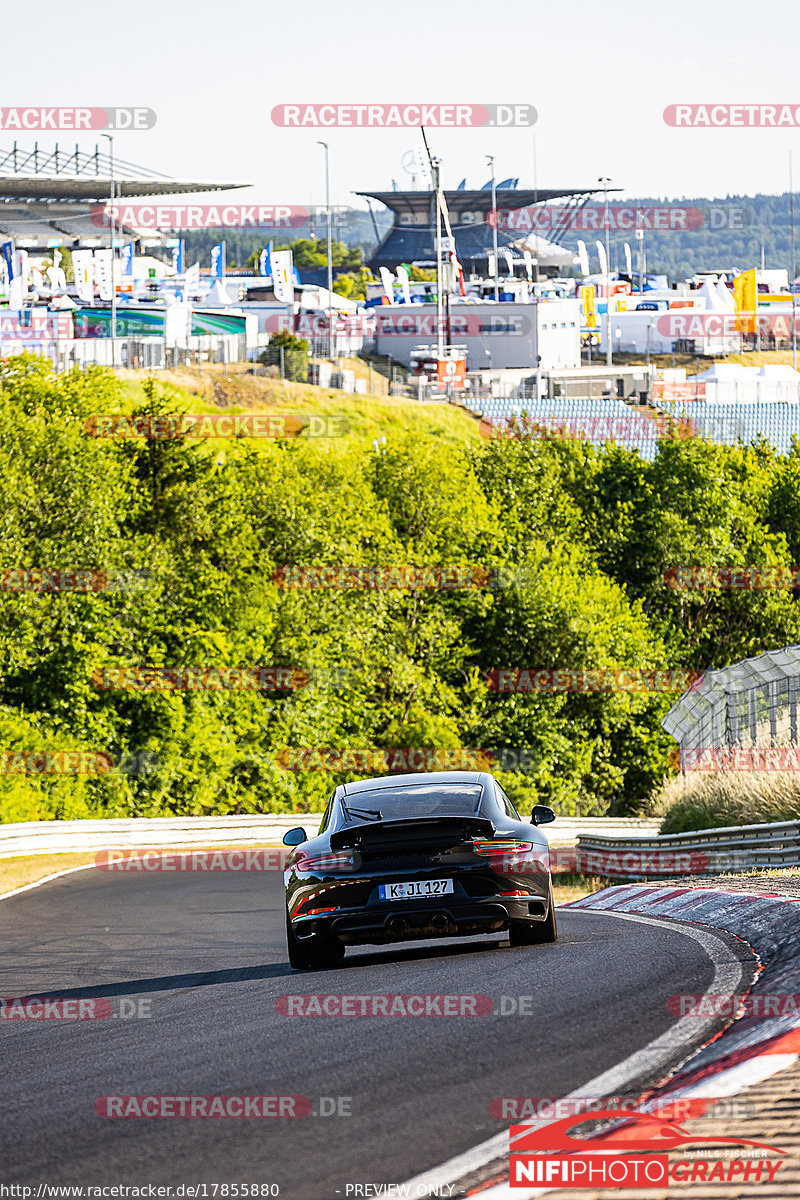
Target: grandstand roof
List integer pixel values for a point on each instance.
(412, 238)
(47, 195)
(77, 176)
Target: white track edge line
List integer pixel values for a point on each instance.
(26, 887)
(616, 1077)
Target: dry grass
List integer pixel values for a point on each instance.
(16, 872)
(699, 800)
(693, 364)
(369, 416)
(573, 887)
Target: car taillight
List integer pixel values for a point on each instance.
(497, 848)
(314, 912)
(513, 893)
(324, 862)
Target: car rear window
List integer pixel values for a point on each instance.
(420, 800)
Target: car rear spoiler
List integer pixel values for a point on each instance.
(411, 832)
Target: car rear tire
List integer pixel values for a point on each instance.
(316, 954)
(536, 933)
(297, 955)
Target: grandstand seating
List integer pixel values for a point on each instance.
(599, 421)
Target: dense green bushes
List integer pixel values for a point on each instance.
(191, 538)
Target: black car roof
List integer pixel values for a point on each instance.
(393, 781)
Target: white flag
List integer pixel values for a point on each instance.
(584, 257)
(102, 273)
(628, 266)
(282, 278)
(83, 269)
(601, 254)
(387, 279)
(402, 275)
(192, 279)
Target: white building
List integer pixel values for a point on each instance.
(543, 333)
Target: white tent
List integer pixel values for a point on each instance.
(218, 296)
(713, 302)
(725, 296)
(725, 371)
(779, 371)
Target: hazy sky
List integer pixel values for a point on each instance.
(600, 75)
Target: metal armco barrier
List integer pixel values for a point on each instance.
(699, 852)
(64, 837)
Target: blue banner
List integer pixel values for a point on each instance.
(218, 260)
(127, 259)
(265, 261)
(177, 258)
(8, 254)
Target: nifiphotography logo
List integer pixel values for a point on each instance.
(636, 1153)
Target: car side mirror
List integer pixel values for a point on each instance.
(542, 815)
(293, 837)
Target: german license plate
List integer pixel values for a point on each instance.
(415, 890)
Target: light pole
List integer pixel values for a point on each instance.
(328, 239)
(794, 267)
(112, 223)
(490, 160)
(604, 179)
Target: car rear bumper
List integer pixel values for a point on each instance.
(383, 924)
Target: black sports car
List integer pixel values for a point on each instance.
(417, 856)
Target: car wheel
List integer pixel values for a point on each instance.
(314, 955)
(297, 955)
(535, 933)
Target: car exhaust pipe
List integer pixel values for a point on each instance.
(397, 925)
(439, 921)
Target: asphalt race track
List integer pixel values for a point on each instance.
(206, 953)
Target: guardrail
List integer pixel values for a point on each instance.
(65, 837)
(699, 852)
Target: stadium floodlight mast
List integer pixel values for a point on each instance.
(490, 160)
(605, 180)
(328, 241)
(112, 223)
